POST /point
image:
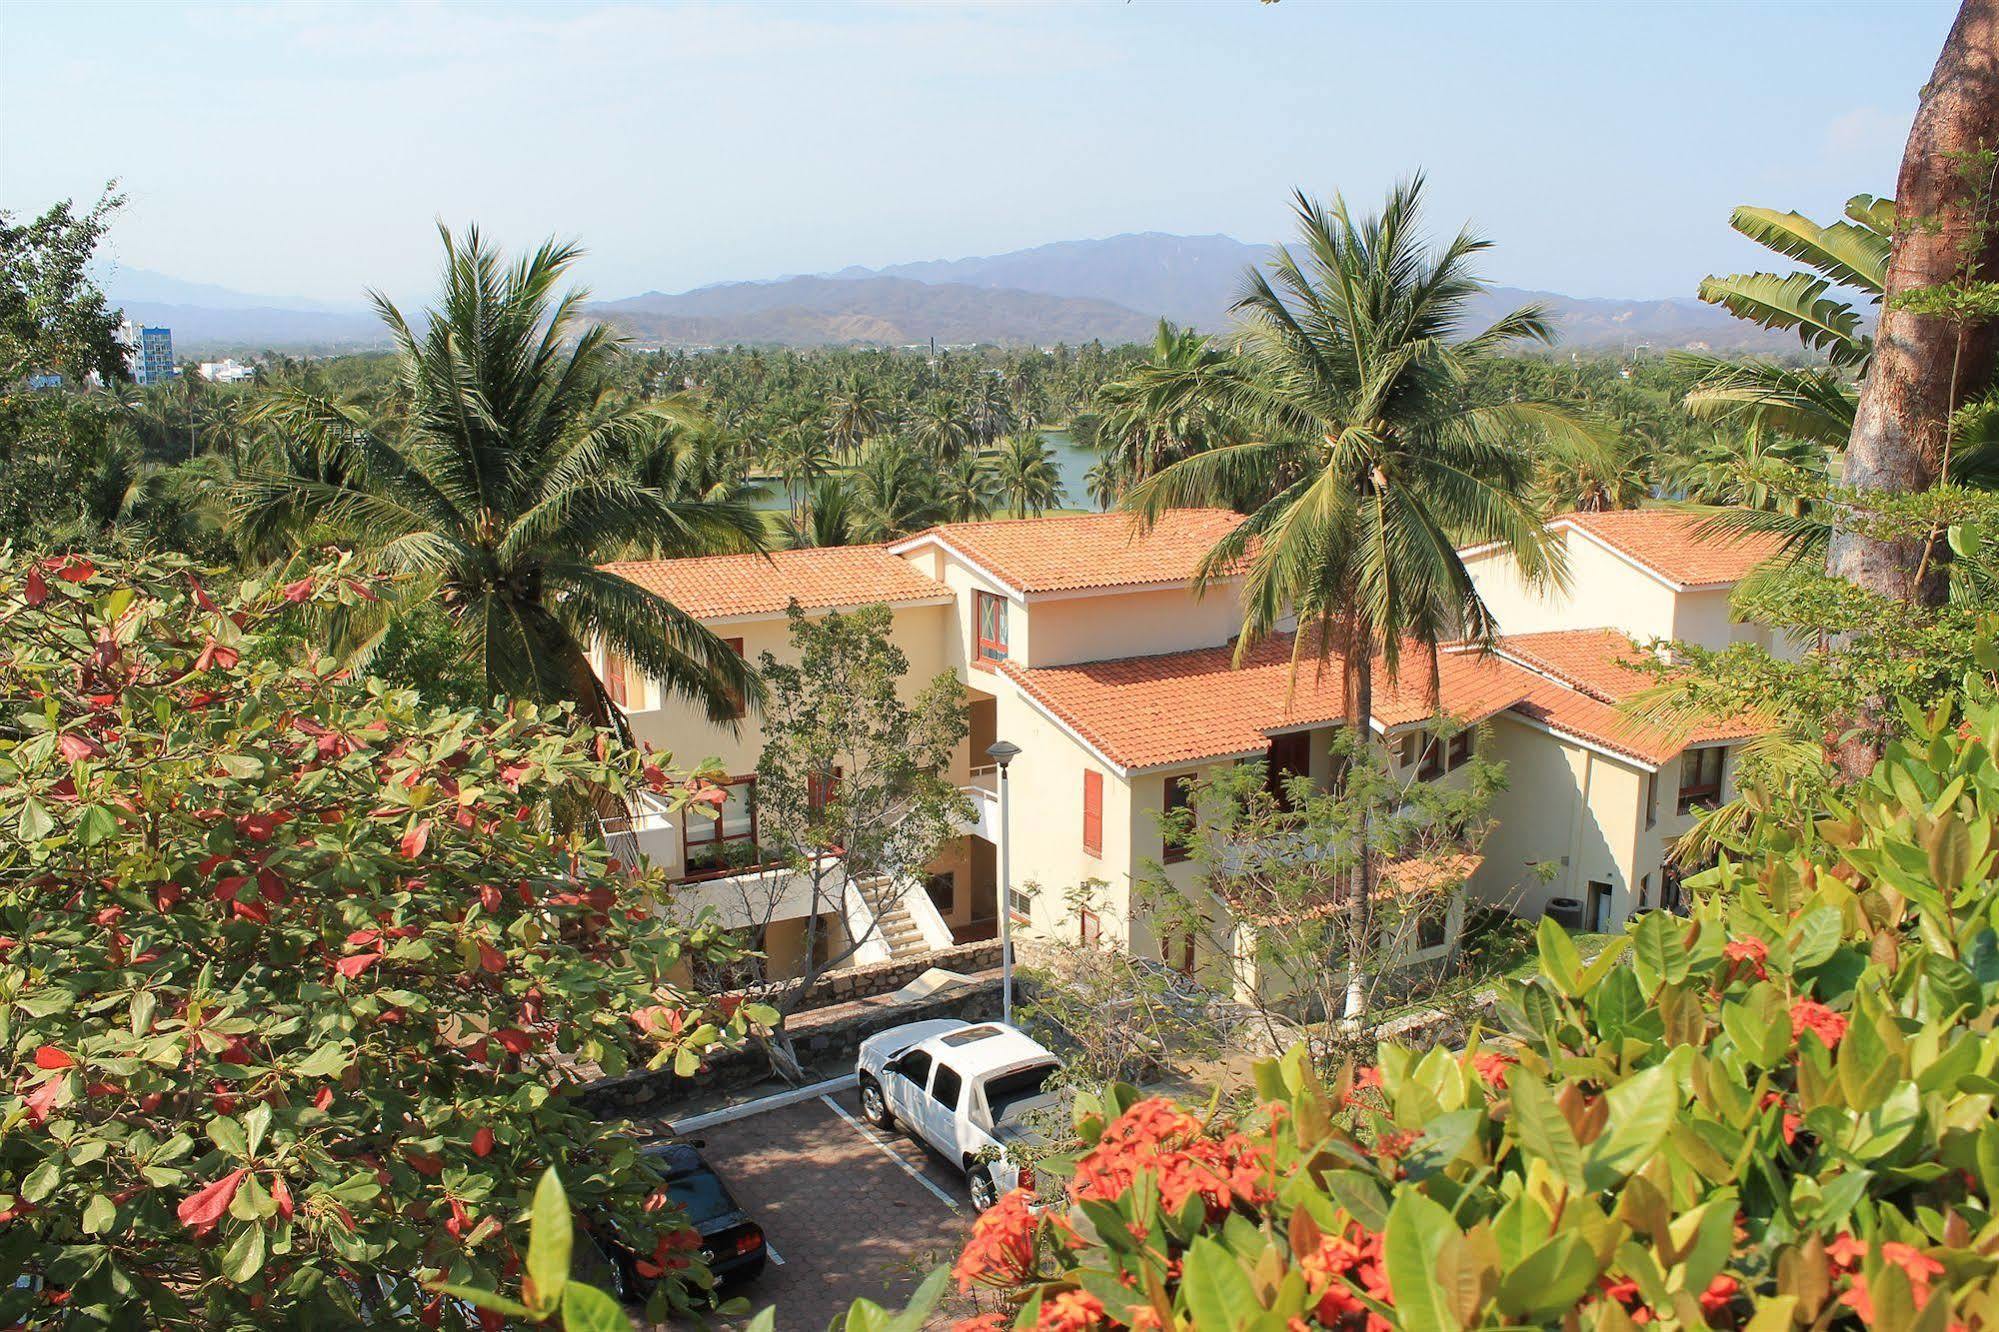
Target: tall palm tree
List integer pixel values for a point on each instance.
(939, 425)
(828, 517)
(1025, 474)
(497, 482)
(893, 490)
(966, 489)
(800, 454)
(854, 415)
(1147, 422)
(1352, 358)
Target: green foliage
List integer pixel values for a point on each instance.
(498, 478)
(52, 315)
(298, 977)
(1776, 1113)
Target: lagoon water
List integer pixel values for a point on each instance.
(1071, 459)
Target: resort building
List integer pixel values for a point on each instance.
(1083, 641)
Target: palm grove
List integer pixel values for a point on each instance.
(412, 543)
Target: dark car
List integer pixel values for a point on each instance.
(732, 1245)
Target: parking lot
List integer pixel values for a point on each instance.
(849, 1210)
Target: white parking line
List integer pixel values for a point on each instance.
(891, 1154)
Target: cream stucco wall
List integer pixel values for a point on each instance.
(1070, 629)
(1605, 591)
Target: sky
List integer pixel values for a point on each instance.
(307, 149)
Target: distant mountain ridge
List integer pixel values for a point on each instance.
(1112, 290)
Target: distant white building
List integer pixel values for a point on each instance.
(227, 371)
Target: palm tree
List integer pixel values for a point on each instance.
(966, 490)
(1349, 376)
(800, 454)
(1147, 422)
(854, 415)
(496, 481)
(939, 425)
(893, 490)
(827, 520)
(1026, 475)
(992, 414)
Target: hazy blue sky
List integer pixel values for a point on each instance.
(304, 149)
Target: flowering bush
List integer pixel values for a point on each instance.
(296, 975)
(1778, 1113)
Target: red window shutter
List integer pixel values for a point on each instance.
(1093, 812)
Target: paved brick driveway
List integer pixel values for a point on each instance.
(842, 1204)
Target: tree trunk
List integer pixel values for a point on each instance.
(1923, 366)
(1359, 669)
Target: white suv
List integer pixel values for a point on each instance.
(964, 1089)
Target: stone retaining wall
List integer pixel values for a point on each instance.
(839, 987)
(826, 1041)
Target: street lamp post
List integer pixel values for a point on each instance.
(1003, 753)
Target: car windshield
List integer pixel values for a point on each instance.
(1009, 1092)
(702, 1194)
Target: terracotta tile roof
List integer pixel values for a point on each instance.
(715, 586)
(1187, 707)
(1067, 552)
(1590, 676)
(1664, 541)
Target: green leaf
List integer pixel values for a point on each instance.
(1560, 962)
(42, 1180)
(1419, 1231)
(256, 1124)
(1217, 1290)
(245, 1256)
(1541, 1127)
(1659, 951)
(480, 1298)
(550, 1236)
(1641, 1115)
(1549, 1280)
(685, 1062)
(98, 824)
(228, 1135)
(35, 821)
(325, 1061)
(587, 1309)
(100, 1215)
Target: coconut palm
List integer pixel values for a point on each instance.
(939, 425)
(855, 414)
(1352, 355)
(1147, 422)
(800, 454)
(1025, 474)
(497, 482)
(966, 489)
(828, 517)
(893, 489)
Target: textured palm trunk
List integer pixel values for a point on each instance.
(1923, 366)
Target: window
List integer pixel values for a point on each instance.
(1431, 929)
(1089, 926)
(915, 1066)
(1700, 777)
(1289, 756)
(1598, 912)
(1020, 905)
(1433, 756)
(1178, 953)
(1093, 812)
(1652, 799)
(1458, 753)
(1179, 796)
(989, 628)
(725, 842)
(1644, 892)
(820, 788)
(736, 707)
(614, 679)
(945, 1090)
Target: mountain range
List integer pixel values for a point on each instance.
(1113, 290)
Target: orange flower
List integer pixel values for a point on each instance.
(1070, 1311)
(1746, 955)
(1492, 1066)
(1813, 1016)
(1001, 1249)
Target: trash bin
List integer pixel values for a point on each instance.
(1566, 911)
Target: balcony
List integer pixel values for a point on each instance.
(983, 793)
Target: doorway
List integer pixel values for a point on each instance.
(1596, 912)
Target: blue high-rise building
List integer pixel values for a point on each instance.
(150, 354)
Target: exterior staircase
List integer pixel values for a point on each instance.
(896, 925)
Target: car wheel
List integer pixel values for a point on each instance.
(984, 1192)
(874, 1106)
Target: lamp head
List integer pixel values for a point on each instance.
(1002, 752)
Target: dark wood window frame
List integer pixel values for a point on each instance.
(1697, 784)
(1179, 795)
(690, 844)
(988, 652)
(737, 707)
